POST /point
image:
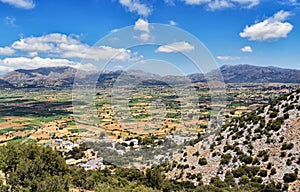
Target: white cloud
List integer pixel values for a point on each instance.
(9, 64)
(46, 43)
(220, 4)
(23, 4)
(280, 16)
(114, 30)
(142, 25)
(176, 47)
(136, 6)
(196, 2)
(274, 27)
(5, 68)
(247, 3)
(173, 23)
(10, 21)
(65, 46)
(290, 2)
(119, 67)
(169, 2)
(247, 49)
(227, 58)
(223, 4)
(145, 36)
(6, 51)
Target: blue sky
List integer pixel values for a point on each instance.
(37, 33)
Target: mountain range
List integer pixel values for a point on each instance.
(64, 76)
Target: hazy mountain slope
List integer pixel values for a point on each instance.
(41, 77)
(262, 146)
(256, 74)
(5, 84)
(64, 76)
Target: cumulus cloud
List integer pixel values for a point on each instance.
(143, 27)
(181, 46)
(223, 4)
(274, 27)
(247, 49)
(69, 46)
(23, 4)
(46, 43)
(227, 58)
(10, 64)
(6, 51)
(136, 6)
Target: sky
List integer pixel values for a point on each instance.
(87, 34)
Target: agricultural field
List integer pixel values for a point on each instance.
(38, 115)
(35, 115)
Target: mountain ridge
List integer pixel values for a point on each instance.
(64, 76)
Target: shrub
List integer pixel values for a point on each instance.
(289, 162)
(244, 180)
(225, 158)
(283, 154)
(230, 179)
(238, 172)
(255, 161)
(273, 171)
(202, 161)
(273, 114)
(262, 153)
(269, 166)
(246, 159)
(265, 158)
(257, 179)
(263, 173)
(289, 177)
(287, 146)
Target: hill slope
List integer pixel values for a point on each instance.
(262, 146)
(41, 77)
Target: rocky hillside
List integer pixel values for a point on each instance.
(259, 147)
(41, 77)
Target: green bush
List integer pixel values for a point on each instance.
(287, 146)
(202, 161)
(225, 158)
(263, 173)
(289, 177)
